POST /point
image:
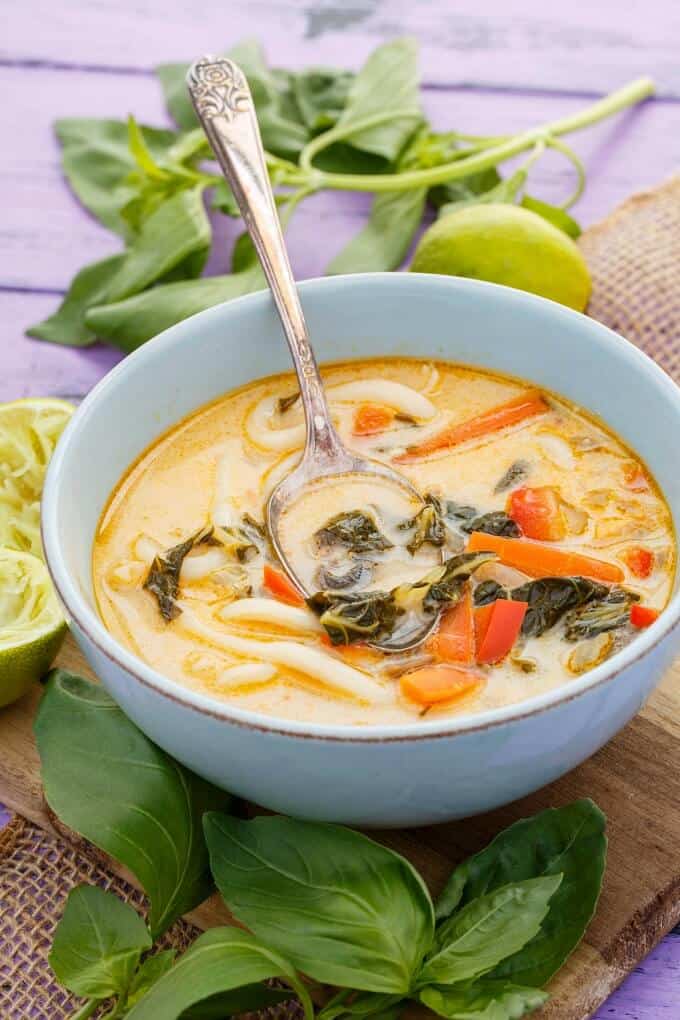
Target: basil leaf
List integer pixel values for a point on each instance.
(96, 159)
(129, 323)
(505, 191)
(568, 841)
(147, 974)
(219, 960)
(97, 944)
(106, 780)
(483, 1000)
(387, 83)
(343, 909)
(321, 95)
(465, 188)
(553, 214)
(88, 287)
(249, 999)
(487, 930)
(384, 241)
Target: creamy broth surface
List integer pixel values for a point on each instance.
(275, 658)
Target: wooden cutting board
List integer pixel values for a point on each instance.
(635, 779)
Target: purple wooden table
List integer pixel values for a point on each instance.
(488, 66)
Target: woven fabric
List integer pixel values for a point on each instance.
(634, 259)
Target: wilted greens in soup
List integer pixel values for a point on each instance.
(540, 539)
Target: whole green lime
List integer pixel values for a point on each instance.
(506, 244)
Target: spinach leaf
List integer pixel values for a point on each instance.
(550, 598)
(489, 591)
(220, 960)
(483, 1000)
(385, 240)
(147, 974)
(96, 159)
(321, 94)
(108, 782)
(517, 472)
(442, 584)
(386, 84)
(129, 323)
(163, 577)
(427, 525)
(343, 909)
(355, 530)
(568, 841)
(98, 943)
(495, 523)
(553, 214)
(355, 616)
(88, 287)
(487, 930)
(608, 612)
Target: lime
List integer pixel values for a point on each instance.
(506, 244)
(31, 625)
(29, 430)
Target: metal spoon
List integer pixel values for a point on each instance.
(221, 97)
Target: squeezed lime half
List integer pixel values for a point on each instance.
(29, 430)
(32, 627)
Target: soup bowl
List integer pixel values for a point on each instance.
(430, 770)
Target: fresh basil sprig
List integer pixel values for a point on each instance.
(323, 129)
(319, 900)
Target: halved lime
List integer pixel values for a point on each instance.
(31, 625)
(29, 430)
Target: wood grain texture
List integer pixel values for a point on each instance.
(639, 904)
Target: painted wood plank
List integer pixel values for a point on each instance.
(523, 44)
(45, 236)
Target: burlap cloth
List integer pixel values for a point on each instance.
(634, 258)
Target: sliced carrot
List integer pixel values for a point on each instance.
(538, 512)
(525, 406)
(455, 638)
(540, 560)
(498, 628)
(640, 561)
(370, 419)
(432, 684)
(634, 477)
(643, 616)
(276, 582)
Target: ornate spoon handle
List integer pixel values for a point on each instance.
(224, 106)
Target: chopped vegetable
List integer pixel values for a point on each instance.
(497, 627)
(163, 577)
(276, 582)
(640, 561)
(516, 473)
(431, 685)
(428, 524)
(455, 638)
(549, 598)
(371, 419)
(527, 405)
(539, 560)
(597, 617)
(442, 584)
(355, 530)
(643, 616)
(237, 542)
(494, 523)
(489, 591)
(538, 513)
(355, 616)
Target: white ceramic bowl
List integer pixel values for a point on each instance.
(427, 771)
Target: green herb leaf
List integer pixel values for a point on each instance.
(487, 930)
(428, 526)
(163, 577)
(386, 84)
(553, 214)
(147, 974)
(550, 598)
(89, 287)
(467, 188)
(219, 961)
(483, 1000)
(568, 841)
(106, 780)
(321, 95)
(128, 324)
(98, 943)
(97, 162)
(343, 909)
(248, 999)
(355, 616)
(360, 1004)
(223, 200)
(385, 240)
(506, 191)
(355, 530)
(600, 614)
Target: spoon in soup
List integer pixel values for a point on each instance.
(224, 105)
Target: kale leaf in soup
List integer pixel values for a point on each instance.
(610, 612)
(427, 526)
(549, 598)
(358, 616)
(163, 577)
(518, 472)
(355, 530)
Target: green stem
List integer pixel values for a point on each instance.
(303, 995)
(88, 1009)
(342, 131)
(634, 92)
(554, 143)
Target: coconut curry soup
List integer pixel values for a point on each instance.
(541, 545)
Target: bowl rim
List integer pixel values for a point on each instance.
(90, 624)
